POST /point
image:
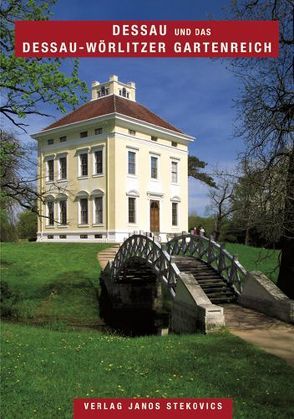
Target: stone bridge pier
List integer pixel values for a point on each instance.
(134, 303)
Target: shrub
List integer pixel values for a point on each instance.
(27, 225)
(8, 301)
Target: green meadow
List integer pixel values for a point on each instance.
(54, 347)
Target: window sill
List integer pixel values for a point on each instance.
(62, 225)
(175, 183)
(98, 225)
(132, 176)
(83, 177)
(83, 225)
(62, 180)
(49, 182)
(153, 179)
(49, 226)
(98, 175)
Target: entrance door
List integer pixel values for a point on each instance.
(154, 216)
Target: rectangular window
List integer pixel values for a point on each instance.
(50, 141)
(174, 144)
(50, 213)
(84, 134)
(83, 236)
(131, 163)
(62, 236)
(132, 132)
(62, 168)
(98, 210)
(98, 162)
(174, 171)
(154, 167)
(50, 170)
(132, 210)
(50, 236)
(62, 139)
(84, 164)
(62, 212)
(98, 131)
(154, 138)
(103, 92)
(174, 213)
(84, 210)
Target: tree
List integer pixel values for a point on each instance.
(17, 177)
(194, 164)
(221, 198)
(7, 228)
(266, 110)
(27, 84)
(258, 202)
(27, 225)
(8, 159)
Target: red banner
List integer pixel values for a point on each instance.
(147, 38)
(153, 408)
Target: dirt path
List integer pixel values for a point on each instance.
(105, 255)
(272, 335)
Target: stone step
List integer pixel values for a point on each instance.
(223, 300)
(194, 269)
(199, 271)
(106, 257)
(213, 277)
(216, 289)
(207, 281)
(219, 286)
(219, 294)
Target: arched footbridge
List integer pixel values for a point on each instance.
(200, 275)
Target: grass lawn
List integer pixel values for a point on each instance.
(44, 370)
(256, 259)
(57, 282)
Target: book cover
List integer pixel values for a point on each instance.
(147, 217)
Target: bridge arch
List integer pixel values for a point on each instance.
(145, 250)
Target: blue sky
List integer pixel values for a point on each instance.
(196, 95)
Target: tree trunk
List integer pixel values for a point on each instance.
(247, 236)
(286, 273)
(217, 229)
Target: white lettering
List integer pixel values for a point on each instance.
(139, 30)
(267, 47)
(26, 47)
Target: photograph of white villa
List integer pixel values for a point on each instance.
(112, 168)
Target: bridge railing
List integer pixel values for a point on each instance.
(145, 248)
(213, 254)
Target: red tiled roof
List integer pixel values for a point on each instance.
(110, 104)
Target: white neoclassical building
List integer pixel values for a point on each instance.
(110, 168)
